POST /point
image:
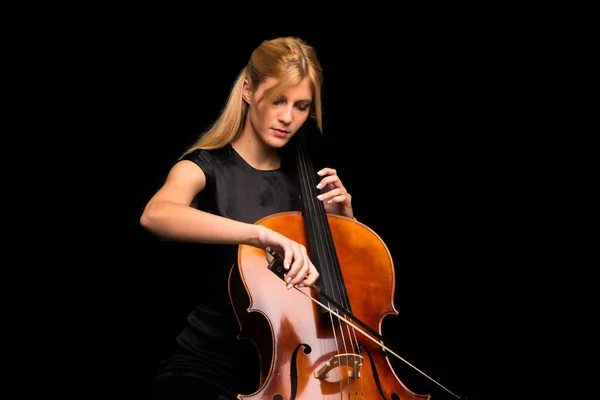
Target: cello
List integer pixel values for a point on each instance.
(322, 342)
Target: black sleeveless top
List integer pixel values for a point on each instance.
(208, 344)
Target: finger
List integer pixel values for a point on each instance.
(333, 196)
(327, 171)
(288, 256)
(296, 264)
(339, 199)
(311, 278)
(303, 272)
(332, 180)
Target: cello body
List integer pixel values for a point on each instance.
(306, 353)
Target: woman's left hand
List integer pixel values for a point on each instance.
(336, 199)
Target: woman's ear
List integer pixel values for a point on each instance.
(246, 92)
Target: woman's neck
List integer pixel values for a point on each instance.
(256, 153)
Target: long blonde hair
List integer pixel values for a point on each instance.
(289, 60)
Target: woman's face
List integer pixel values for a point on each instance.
(276, 123)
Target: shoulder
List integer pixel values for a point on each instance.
(204, 157)
(209, 161)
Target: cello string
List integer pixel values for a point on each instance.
(353, 339)
(349, 339)
(323, 241)
(333, 325)
(311, 207)
(340, 294)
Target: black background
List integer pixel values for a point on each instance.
(416, 125)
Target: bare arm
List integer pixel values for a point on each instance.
(169, 214)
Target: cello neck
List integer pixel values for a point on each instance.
(320, 240)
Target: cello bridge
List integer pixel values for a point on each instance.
(354, 361)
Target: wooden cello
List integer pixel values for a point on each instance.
(322, 342)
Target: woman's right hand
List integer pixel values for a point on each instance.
(300, 269)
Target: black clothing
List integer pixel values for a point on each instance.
(207, 350)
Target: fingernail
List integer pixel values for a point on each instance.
(288, 280)
(290, 286)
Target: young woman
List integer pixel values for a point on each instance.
(235, 174)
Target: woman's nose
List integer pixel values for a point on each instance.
(285, 115)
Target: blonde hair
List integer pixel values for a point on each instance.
(287, 59)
